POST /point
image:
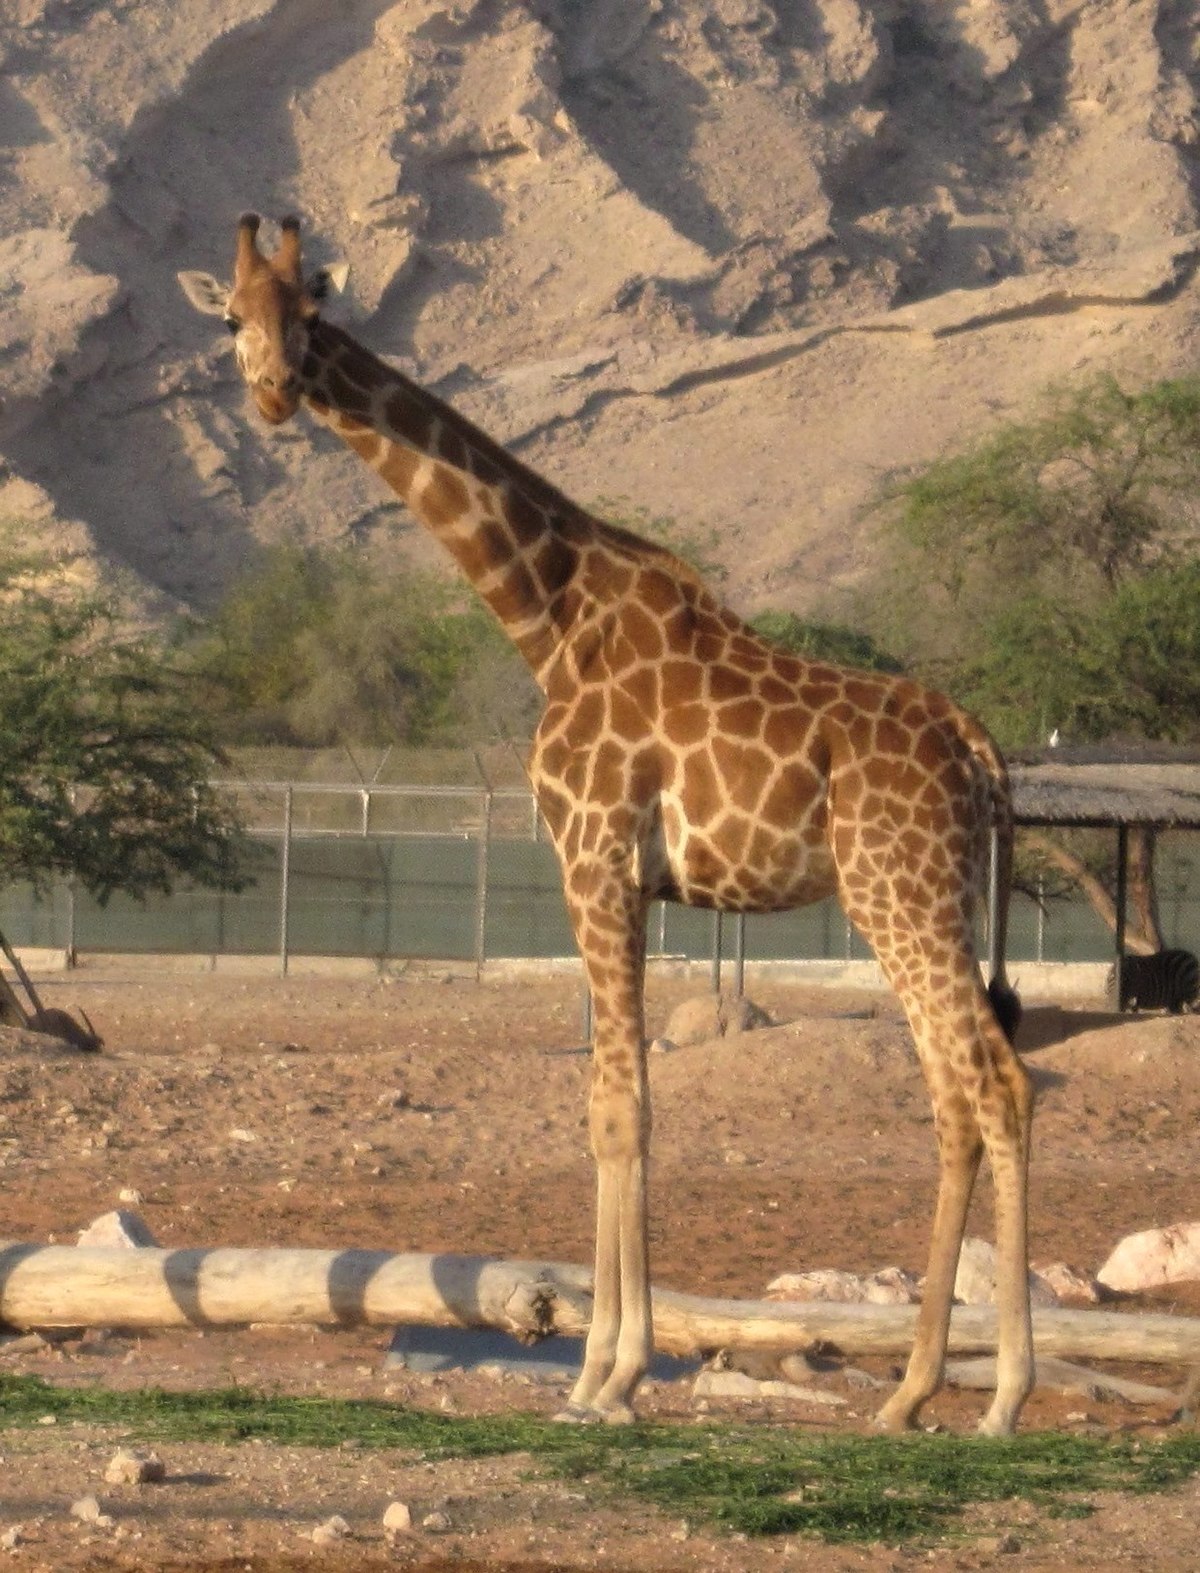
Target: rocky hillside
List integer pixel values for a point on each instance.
(728, 260)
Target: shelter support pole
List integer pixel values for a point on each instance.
(1121, 903)
(993, 903)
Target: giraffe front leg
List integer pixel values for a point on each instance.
(620, 1340)
(609, 923)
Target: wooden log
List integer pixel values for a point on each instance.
(1062, 1376)
(78, 1286)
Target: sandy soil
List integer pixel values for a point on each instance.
(805, 1144)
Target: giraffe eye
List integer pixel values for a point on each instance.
(232, 324)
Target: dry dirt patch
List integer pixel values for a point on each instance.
(434, 1113)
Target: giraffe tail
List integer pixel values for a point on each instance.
(1005, 1001)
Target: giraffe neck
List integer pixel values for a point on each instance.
(523, 545)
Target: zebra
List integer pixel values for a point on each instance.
(1166, 980)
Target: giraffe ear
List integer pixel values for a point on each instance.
(206, 293)
(330, 280)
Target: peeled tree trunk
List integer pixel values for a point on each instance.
(78, 1286)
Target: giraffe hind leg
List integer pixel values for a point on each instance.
(982, 1101)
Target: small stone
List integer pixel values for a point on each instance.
(397, 1518)
(1070, 1285)
(88, 1509)
(437, 1522)
(335, 1528)
(663, 1046)
(11, 1538)
(122, 1228)
(239, 1135)
(130, 1195)
(127, 1467)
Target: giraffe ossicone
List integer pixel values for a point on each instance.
(681, 756)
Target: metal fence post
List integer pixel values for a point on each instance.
(481, 884)
(716, 951)
(739, 955)
(285, 875)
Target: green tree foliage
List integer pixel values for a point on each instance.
(1096, 485)
(1126, 664)
(1047, 577)
(817, 641)
(105, 761)
(316, 647)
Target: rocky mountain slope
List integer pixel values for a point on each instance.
(727, 260)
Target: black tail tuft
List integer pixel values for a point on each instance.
(1006, 1002)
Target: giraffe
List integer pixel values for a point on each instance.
(682, 757)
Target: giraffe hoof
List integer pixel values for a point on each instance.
(894, 1422)
(577, 1415)
(1002, 1427)
(587, 1415)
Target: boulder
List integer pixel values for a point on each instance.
(713, 1016)
(1154, 1257)
(975, 1281)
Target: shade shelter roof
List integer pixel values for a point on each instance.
(1108, 787)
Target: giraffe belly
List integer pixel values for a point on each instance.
(738, 868)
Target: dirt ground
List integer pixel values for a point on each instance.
(429, 1112)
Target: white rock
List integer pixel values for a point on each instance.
(975, 1280)
(889, 1286)
(130, 1195)
(335, 1528)
(128, 1467)
(437, 1522)
(397, 1518)
(737, 1384)
(118, 1228)
(1154, 1257)
(88, 1509)
(12, 1537)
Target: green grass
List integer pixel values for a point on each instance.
(761, 1480)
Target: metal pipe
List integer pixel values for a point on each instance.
(285, 875)
(481, 883)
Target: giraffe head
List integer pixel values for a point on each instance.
(270, 309)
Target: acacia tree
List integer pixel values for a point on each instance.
(105, 759)
(317, 646)
(1049, 577)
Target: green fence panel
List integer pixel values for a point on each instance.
(417, 895)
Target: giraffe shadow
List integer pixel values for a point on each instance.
(1043, 1026)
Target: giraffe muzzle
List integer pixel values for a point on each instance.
(278, 400)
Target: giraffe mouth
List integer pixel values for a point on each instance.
(276, 407)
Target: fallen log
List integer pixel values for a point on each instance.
(144, 1288)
